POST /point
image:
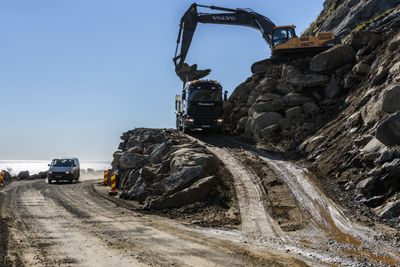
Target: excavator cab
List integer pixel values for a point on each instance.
(282, 34)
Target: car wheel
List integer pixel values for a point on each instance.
(57, 181)
(49, 181)
(71, 180)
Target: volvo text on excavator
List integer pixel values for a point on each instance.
(282, 40)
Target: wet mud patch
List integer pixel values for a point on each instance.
(281, 204)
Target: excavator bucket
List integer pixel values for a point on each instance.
(189, 73)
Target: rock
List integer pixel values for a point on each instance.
(264, 120)
(183, 178)
(367, 186)
(386, 156)
(131, 160)
(270, 106)
(288, 71)
(390, 210)
(391, 99)
(23, 175)
(185, 157)
(43, 175)
(197, 192)
(308, 80)
(332, 89)
(269, 131)
(132, 142)
(34, 177)
(374, 201)
(294, 99)
(294, 114)
(361, 39)
(351, 81)
(363, 140)
(362, 68)
(284, 88)
(380, 76)
(388, 131)
(395, 69)
(310, 108)
(241, 125)
(373, 146)
(395, 43)
(269, 97)
(159, 153)
(392, 167)
(333, 58)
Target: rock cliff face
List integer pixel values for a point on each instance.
(339, 110)
(164, 170)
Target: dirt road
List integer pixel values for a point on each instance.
(326, 234)
(72, 225)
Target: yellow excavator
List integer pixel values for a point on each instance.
(282, 40)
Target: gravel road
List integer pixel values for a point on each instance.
(74, 225)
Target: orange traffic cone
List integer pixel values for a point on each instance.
(113, 191)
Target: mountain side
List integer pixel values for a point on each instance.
(338, 111)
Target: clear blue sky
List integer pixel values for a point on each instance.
(75, 74)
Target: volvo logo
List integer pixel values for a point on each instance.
(205, 104)
(224, 18)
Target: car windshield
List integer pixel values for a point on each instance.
(62, 163)
(205, 95)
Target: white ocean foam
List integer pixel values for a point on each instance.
(36, 166)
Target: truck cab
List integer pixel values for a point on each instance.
(200, 106)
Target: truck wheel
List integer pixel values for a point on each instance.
(49, 181)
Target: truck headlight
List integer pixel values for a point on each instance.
(50, 172)
(190, 120)
(67, 172)
(220, 120)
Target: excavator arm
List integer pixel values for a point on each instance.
(188, 24)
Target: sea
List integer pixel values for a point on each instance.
(36, 166)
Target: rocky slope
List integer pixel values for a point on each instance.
(338, 111)
(164, 170)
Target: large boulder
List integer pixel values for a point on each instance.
(183, 178)
(388, 131)
(308, 80)
(132, 160)
(23, 175)
(361, 68)
(390, 210)
(197, 192)
(332, 58)
(264, 120)
(361, 39)
(391, 99)
(295, 99)
(159, 153)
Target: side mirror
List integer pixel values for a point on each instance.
(49, 165)
(183, 95)
(225, 95)
(74, 165)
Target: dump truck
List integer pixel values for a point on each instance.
(200, 106)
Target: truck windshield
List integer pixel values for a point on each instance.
(62, 163)
(205, 95)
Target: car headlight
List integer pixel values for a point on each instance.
(67, 172)
(50, 172)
